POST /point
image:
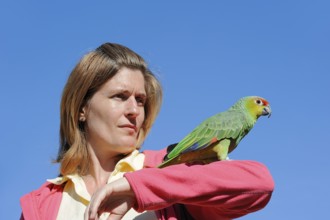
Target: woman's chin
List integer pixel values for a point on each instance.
(128, 148)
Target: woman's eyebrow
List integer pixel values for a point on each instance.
(126, 91)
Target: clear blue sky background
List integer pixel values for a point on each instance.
(207, 55)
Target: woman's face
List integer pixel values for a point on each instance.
(115, 113)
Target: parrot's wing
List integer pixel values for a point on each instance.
(225, 125)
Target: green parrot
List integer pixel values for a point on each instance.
(220, 134)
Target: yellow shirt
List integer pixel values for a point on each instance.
(76, 198)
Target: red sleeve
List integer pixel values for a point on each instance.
(223, 188)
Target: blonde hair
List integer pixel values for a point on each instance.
(92, 71)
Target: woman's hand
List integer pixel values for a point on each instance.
(116, 197)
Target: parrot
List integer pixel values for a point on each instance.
(218, 135)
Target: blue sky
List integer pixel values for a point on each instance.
(207, 55)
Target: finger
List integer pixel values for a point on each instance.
(92, 211)
(88, 215)
(95, 203)
(115, 217)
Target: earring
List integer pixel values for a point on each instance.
(82, 119)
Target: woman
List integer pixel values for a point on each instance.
(108, 106)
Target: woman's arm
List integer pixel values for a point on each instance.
(234, 188)
(225, 188)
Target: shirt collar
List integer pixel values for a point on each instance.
(132, 162)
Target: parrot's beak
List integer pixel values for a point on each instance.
(267, 111)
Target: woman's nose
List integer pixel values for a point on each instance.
(132, 108)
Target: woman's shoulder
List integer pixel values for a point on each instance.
(49, 187)
(154, 157)
(46, 189)
(47, 195)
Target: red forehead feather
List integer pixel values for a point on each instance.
(265, 101)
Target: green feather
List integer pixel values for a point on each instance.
(222, 132)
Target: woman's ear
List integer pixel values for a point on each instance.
(82, 114)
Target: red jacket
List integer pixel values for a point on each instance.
(220, 190)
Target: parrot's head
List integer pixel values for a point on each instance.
(257, 106)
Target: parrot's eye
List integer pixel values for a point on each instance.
(259, 102)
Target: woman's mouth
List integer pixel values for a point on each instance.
(129, 127)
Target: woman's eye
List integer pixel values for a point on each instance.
(120, 96)
(141, 101)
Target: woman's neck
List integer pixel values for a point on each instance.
(100, 170)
